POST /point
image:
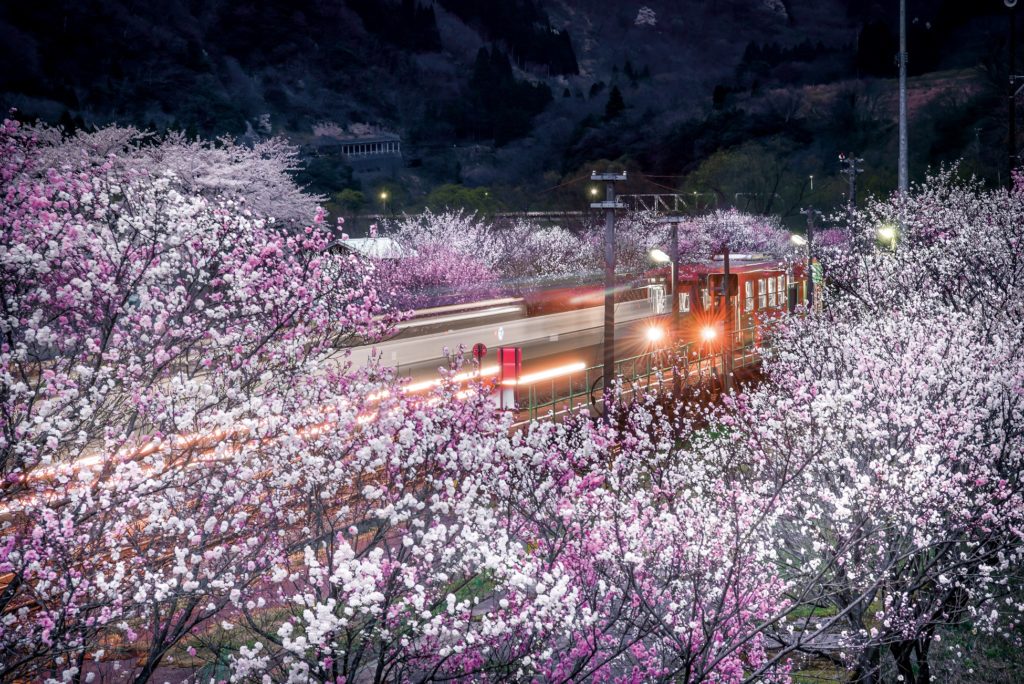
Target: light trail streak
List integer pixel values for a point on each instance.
(209, 440)
(597, 298)
(548, 374)
(460, 377)
(469, 315)
(463, 307)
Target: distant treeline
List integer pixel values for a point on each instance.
(524, 28)
(407, 25)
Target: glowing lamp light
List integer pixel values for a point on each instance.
(593, 192)
(655, 334)
(708, 333)
(384, 195)
(659, 256)
(887, 232)
(798, 240)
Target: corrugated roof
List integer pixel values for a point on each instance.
(374, 248)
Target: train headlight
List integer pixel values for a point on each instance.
(655, 334)
(708, 333)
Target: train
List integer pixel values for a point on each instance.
(760, 287)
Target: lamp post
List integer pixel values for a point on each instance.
(801, 241)
(593, 194)
(811, 214)
(384, 201)
(609, 205)
(672, 258)
(726, 323)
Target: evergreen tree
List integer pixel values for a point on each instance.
(615, 105)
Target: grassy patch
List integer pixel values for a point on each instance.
(479, 586)
(965, 655)
(810, 610)
(820, 673)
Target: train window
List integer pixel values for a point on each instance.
(705, 299)
(781, 289)
(771, 292)
(762, 294)
(657, 299)
(684, 302)
(748, 291)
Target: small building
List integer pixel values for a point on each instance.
(379, 154)
(372, 248)
(379, 145)
(368, 150)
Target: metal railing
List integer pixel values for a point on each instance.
(696, 363)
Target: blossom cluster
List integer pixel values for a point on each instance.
(455, 256)
(191, 471)
(892, 429)
(193, 475)
(145, 330)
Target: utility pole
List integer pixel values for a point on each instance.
(673, 255)
(904, 174)
(852, 165)
(1011, 138)
(726, 324)
(609, 205)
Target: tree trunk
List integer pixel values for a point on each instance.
(868, 666)
(921, 648)
(901, 652)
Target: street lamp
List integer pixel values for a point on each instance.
(610, 204)
(672, 258)
(384, 201)
(801, 241)
(659, 257)
(888, 233)
(811, 214)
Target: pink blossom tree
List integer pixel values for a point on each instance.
(699, 239)
(476, 555)
(260, 177)
(891, 427)
(186, 454)
(658, 557)
(435, 276)
(135, 316)
(455, 256)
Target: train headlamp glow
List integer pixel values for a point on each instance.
(655, 334)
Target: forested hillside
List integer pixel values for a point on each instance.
(748, 97)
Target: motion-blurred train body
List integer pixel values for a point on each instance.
(760, 288)
(550, 318)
